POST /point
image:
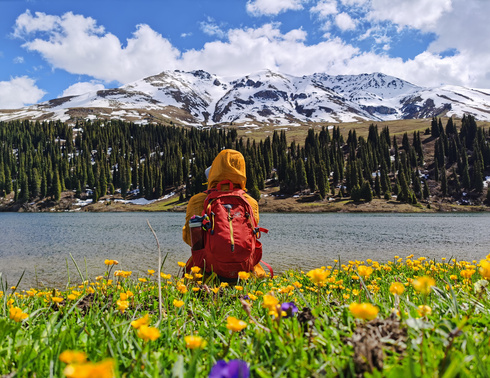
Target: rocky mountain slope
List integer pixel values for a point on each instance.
(265, 97)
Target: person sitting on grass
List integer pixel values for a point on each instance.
(228, 222)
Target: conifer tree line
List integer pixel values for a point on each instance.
(43, 159)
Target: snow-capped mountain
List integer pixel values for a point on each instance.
(265, 97)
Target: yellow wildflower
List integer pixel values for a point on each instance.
(318, 276)
(73, 357)
(181, 288)
(122, 305)
(151, 272)
(423, 284)
(252, 297)
(364, 271)
(424, 310)
(145, 320)
(142, 279)
(103, 369)
(467, 273)
(243, 275)
(111, 262)
(234, 324)
(194, 342)
(364, 311)
(178, 303)
(397, 288)
(165, 276)
(239, 288)
(57, 299)
(224, 284)
(270, 303)
(17, 315)
(148, 333)
(181, 264)
(485, 268)
(195, 269)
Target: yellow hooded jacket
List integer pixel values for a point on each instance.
(228, 165)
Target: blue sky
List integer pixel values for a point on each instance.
(51, 48)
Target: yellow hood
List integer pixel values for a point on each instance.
(228, 165)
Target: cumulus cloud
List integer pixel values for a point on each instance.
(345, 22)
(324, 8)
(78, 45)
(18, 92)
(272, 7)
(419, 14)
(81, 88)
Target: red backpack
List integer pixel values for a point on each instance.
(231, 233)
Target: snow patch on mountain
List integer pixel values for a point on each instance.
(264, 97)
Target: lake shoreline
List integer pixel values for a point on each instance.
(270, 202)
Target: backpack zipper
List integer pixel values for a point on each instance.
(232, 239)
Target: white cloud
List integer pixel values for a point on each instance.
(272, 7)
(26, 23)
(344, 22)
(325, 8)
(81, 88)
(211, 28)
(18, 60)
(419, 14)
(78, 45)
(18, 92)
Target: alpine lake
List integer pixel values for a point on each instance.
(51, 249)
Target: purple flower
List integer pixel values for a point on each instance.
(289, 308)
(232, 369)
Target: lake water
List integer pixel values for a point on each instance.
(41, 243)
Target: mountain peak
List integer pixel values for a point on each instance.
(263, 97)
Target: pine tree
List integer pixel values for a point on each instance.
(377, 186)
(366, 192)
(56, 186)
(322, 180)
(8, 181)
(443, 183)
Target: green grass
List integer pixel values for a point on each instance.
(322, 339)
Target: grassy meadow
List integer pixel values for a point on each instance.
(409, 317)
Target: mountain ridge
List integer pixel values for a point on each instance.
(200, 98)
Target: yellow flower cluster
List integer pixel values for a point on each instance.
(145, 320)
(17, 315)
(122, 273)
(485, 268)
(364, 271)
(423, 284)
(194, 342)
(364, 311)
(147, 333)
(234, 324)
(397, 288)
(318, 276)
(111, 262)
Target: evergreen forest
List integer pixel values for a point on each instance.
(41, 160)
